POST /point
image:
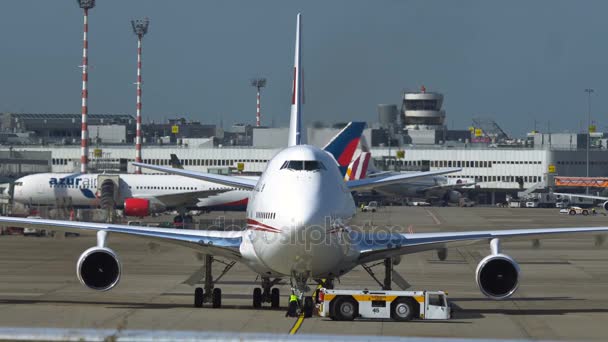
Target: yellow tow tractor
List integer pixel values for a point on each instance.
(346, 305)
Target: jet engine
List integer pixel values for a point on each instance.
(454, 196)
(497, 276)
(397, 260)
(98, 268)
(605, 205)
(139, 207)
(142, 207)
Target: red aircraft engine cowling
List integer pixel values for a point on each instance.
(139, 207)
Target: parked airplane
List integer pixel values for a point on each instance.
(297, 218)
(143, 195)
(433, 188)
(599, 198)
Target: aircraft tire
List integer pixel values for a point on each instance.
(257, 298)
(198, 297)
(275, 298)
(308, 307)
(217, 298)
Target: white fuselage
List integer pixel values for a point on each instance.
(81, 190)
(425, 187)
(296, 218)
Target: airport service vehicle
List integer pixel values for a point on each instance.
(465, 202)
(300, 197)
(421, 204)
(346, 305)
(531, 204)
(371, 206)
(144, 195)
(574, 211)
(33, 231)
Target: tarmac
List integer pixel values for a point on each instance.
(562, 296)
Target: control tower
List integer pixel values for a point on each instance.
(422, 110)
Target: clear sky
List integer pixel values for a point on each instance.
(513, 61)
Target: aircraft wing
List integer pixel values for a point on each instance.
(223, 243)
(370, 183)
(447, 186)
(232, 181)
(184, 198)
(583, 196)
(383, 245)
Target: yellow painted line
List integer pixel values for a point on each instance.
(296, 326)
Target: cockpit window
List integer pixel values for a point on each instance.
(305, 165)
(18, 183)
(313, 165)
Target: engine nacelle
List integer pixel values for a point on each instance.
(99, 269)
(454, 196)
(139, 207)
(142, 207)
(396, 260)
(497, 276)
(605, 205)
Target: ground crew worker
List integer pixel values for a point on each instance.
(292, 308)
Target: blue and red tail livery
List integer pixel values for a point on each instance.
(344, 145)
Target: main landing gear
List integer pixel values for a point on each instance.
(210, 294)
(267, 294)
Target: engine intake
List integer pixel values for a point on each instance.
(605, 205)
(497, 276)
(99, 269)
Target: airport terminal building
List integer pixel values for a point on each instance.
(496, 171)
(413, 138)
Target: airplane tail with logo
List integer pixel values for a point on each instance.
(295, 123)
(358, 167)
(343, 146)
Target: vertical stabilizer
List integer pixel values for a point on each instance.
(358, 167)
(343, 146)
(365, 148)
(295, 123)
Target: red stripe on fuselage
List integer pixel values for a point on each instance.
(257, 224)
(263, 229)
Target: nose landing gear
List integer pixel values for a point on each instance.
(298, 302)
